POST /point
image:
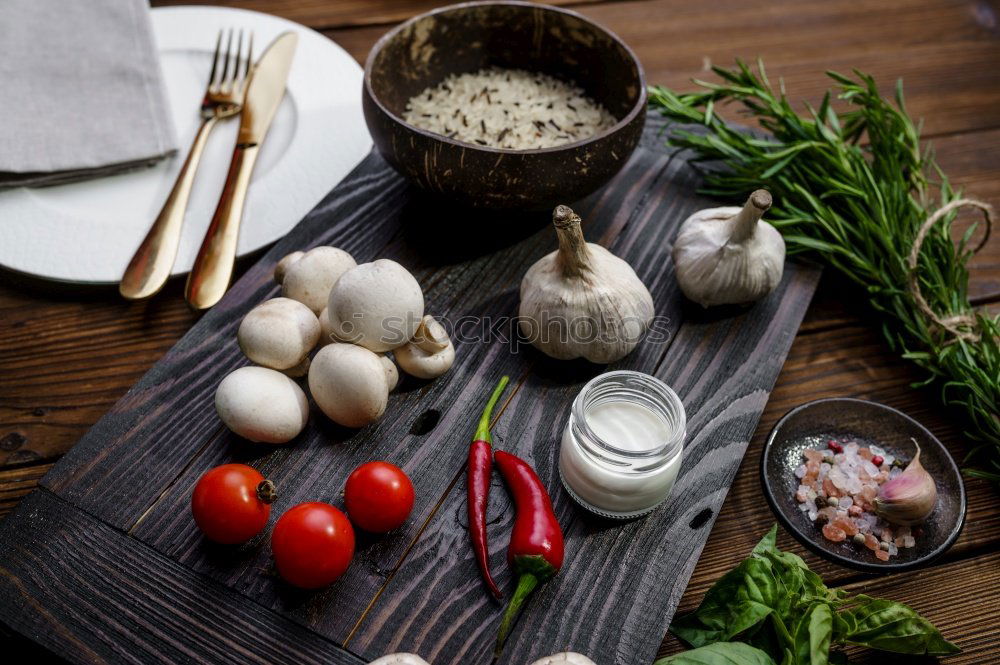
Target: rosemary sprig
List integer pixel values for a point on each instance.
(853, 188)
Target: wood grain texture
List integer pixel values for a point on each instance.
(93, 595)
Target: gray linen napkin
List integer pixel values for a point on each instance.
(81, 91)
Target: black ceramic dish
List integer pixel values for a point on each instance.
(465, 38)
(815, 423)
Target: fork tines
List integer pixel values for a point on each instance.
(231, 61)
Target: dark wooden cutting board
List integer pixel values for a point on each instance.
(104, 563)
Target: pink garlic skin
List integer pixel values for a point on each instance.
(908, 498)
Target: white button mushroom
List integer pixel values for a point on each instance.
(310, 278)
(400, 659)
(262, 405)
(299, 370)
(565, 658)
(281, 268)
(325, 329)
(429, 354)
(377, 305)
(349, 383)
(278, 333)
(391, 373)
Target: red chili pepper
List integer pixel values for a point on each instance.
(536, 542)
(479, 468)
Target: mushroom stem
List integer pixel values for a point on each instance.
(430, 336)
(574, 256)
(744, 224)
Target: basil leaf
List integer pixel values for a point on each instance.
(890, 626)
(720, 653)
(737, 602)
(812, 636)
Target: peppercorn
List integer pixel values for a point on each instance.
(833, 501)
(859, 538)
(834, 446)
(877, 460)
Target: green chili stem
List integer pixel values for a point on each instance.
(483, 431)
(526, 583)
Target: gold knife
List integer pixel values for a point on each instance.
(213, 267)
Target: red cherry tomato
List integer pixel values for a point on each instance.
(378, 496)
(231, 503)
(312, 544)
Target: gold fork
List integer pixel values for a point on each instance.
(150, 267)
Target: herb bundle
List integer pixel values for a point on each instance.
(855, 189)
(779, 611)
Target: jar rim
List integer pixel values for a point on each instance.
(667, 395)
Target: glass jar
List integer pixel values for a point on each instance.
(622, 446)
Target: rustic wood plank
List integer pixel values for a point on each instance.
(484, 287)
(959, 598)
(16, 483)
(93, 595)
(321, 14)
(637, 217)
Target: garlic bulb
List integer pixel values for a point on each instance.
(908, 498)
(729, 256)
(581, 300)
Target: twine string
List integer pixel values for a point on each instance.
(962, 326)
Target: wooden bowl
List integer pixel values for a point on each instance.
(814, 423)
(421, 52)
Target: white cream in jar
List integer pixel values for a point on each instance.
(622, 446)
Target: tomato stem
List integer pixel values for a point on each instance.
(266, 492)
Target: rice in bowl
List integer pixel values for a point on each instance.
(508, 108)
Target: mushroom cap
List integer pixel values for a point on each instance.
(262, 405)
(310, 278)
(349, 384)
(565, 658)
(377, 305)
(325, 329)
(278, 333)
(400, 659)
(282, 266)
(391, 372)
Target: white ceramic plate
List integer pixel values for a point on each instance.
(86, 232)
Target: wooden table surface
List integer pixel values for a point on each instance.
(67, 355)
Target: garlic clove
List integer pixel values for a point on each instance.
(582, 300)
(726, 256)
(908, 498)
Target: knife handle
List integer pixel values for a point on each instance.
(150, 266)
(213, 267)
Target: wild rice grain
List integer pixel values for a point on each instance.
(491, 100)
